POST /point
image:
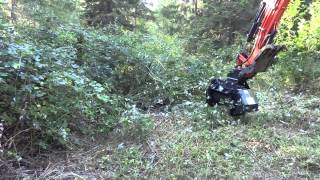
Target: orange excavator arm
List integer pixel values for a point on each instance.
(264, 28)
(234, 90)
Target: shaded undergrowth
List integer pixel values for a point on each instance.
(281, 145)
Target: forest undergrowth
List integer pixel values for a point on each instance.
(88, 96)
(183, 144)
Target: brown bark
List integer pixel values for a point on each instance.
(14, 10)
(195, 7)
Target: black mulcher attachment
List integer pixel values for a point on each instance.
(235, 91)
(230, 92)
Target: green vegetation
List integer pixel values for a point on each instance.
(110, 89)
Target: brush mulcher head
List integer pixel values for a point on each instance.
(229, 92)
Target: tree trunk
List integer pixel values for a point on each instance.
(13, 10)
(195, 7)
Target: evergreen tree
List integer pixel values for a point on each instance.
(221, 21)
(47, 12)
(126, 13)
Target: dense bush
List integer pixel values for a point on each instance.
(300, 33)
(44, 89)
